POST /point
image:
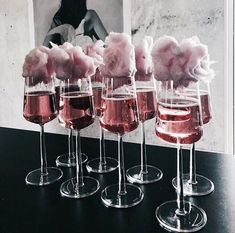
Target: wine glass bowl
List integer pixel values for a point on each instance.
(40, 108)
(178, 120)
(119, 116)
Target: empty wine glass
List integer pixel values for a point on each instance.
(102, 164)
(146, 100)
(67, 159)
(194, 184)
(39, 107)
(179, 122)
(77, 112)
(119, 115)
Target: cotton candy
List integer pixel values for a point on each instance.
(83, 65)
(143, 55)
(184, 62)
(38, 65)
(119, 56)
(62, 61)
(96, 51)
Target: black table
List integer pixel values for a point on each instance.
(27, 209)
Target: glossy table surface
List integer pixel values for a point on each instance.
(27, 209)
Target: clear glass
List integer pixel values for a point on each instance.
(101, 164)
(77, 112)
(147, 103)
(39, 107)
(179, 122)
(67, 159)
(195, 184)
(119, 115)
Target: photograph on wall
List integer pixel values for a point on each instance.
(76, 21)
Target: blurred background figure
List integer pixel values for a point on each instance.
(74, 23)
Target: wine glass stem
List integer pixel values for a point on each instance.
(143, 151)
(102, 148)
(121, 168)
(71, 145)
(43, 152)
(79, 171)
(180, 190)
(192, 167)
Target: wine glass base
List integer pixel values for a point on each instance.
(37, 179)
(135, 175)
(194, 219)
(63, 160)
(203, 187)
(111, 197)
(95, 166)
(69, 188)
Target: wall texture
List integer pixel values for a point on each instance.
(15, 42)
(179, 18)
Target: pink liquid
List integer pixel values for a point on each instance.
(39, 107)
(206, 107)
(76, 110)
(180, 120)
(97, 91)
(57, 97)
(205, 103)
(146, 99)
(119, 113)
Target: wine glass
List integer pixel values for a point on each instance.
(77, 112)
(67, 159)
(102, 164)
(39, 107)
(179, 122)
(194, 184)
(119, 115)
(146, 100)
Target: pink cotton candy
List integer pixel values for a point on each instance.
(143, 55)
(62, 61)
(198, 59)
(183, 62)
(83, 65)
(96, 51)
(66, 46)
(38, 64)
(119, 56)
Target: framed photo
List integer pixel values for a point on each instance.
(76, 21)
